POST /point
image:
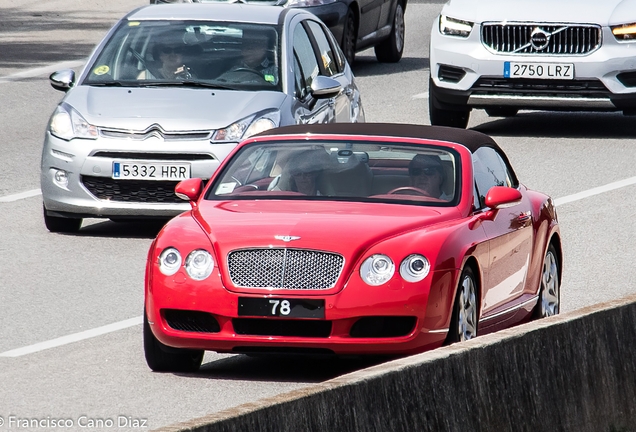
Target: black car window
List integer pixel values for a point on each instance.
(490, 170)
(304, 52)
(340, 58)
(299, 81)
(329, 62)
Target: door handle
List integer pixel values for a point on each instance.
(349, 91)
(331, 103)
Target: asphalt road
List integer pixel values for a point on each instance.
(70, 286)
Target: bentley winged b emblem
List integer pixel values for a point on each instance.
(286, 238)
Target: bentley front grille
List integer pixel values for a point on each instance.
(541, 39)
(284, 268)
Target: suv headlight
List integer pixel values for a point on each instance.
(377, 269)
(66, 123)
(454, 27)
(247, 127)
(624, 31)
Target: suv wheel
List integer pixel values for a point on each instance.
(390, 50)
(446, 115)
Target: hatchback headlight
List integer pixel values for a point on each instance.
(414, 268)
(454, 27)
(377, 269)
(625, 31)
(199, 264)
(247, 127)
(308, 3)
(169, 261)
(67, 123)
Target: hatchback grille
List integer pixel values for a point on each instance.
(549, 39)
(284, 268)
(154, 156)
(155, 132)
(139, 191)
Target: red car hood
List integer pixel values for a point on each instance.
(341, 227)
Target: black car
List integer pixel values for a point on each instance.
(356, 24)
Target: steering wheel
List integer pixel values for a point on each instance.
(240, 70)
(408, 190)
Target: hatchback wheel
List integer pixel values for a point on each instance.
(550, 292)
(60, 224)
(391, 49)
(349, 36)
(162, 358)
(464, 319)
(502, 111)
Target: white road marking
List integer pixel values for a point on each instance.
(35, 72)
(76, 337)
(420, 96)
(21, 195)
(595, 191)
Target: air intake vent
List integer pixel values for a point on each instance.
(383, 327)
(191, 321)
(450, 74)
(627, 78)
(278, 327)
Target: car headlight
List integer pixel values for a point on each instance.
(377, 269)
(414, 268)
(66, 123)
(625, 31)
(247, 127)
(199, 264)
(308, 3)
(454, 27)
(169, 261)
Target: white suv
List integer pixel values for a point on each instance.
(503, 56)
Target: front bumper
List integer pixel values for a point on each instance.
(465, 73)
(92, 192)
(359, 319)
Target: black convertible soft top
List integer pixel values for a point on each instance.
(468, 138)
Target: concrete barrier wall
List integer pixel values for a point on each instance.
(573, 372)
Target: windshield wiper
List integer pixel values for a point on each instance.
(187, 83)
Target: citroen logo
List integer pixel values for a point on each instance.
(286, 238)
(539, 39)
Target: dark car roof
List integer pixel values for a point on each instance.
(468, 138)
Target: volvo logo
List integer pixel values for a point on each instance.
(539, 39)
(286, 238)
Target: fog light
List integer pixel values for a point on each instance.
(61, 178)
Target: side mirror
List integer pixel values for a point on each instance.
(323, 87)
(189, 190)
(499, 197)
(62, 80)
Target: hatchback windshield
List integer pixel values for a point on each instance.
(212, 54)
(348, 171)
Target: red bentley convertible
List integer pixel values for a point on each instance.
(350, 239)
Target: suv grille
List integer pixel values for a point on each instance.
(140, 191)
(534, 87)
(541, 39)
(284, 268)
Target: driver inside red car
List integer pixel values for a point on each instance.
(427, 174)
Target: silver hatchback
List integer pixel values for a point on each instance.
(169, 93)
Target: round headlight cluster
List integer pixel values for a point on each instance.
(199, 264)
(377, 269)
(414, 268)
(169, 261)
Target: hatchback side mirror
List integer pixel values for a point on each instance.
(323, 87)
(62, 80)
(189, 190)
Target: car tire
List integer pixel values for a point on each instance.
(502, 111)
(445, 115)
(550, 291)
(349, 37)
(161, 358)
(390, 50)
(463, 324)
(61, 224)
